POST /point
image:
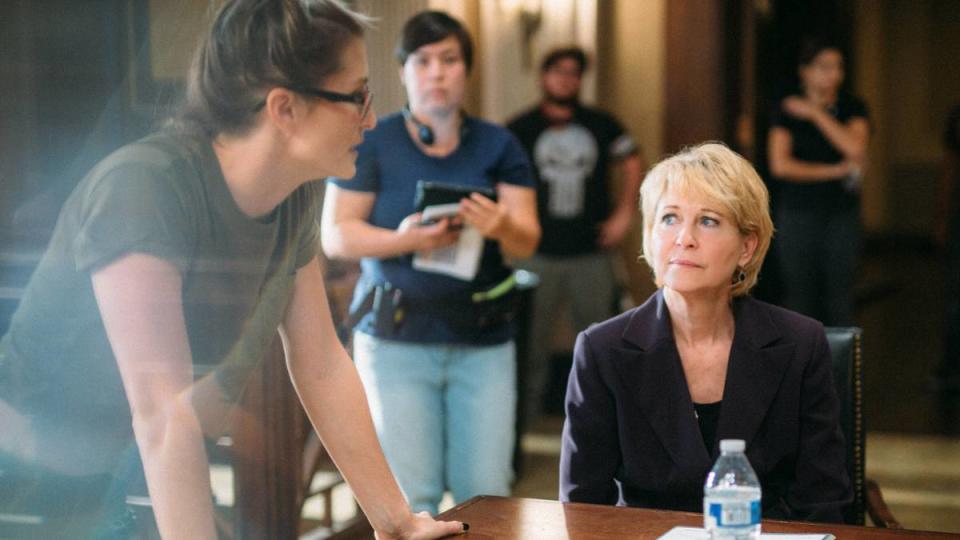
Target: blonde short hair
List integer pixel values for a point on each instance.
(713, 171)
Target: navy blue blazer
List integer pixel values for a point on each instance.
(631, 437)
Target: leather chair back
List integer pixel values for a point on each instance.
(845, 348)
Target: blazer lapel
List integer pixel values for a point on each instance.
(653, 377)
(756, 368)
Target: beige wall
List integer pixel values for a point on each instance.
(468, 11)
(510, 67)
(631, 81)
(381, 40)
(175, 27)
(632, 67)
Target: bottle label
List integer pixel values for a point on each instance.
(732, 514)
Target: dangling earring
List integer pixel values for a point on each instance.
(739, 277)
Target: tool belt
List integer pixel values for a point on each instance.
(469, 311)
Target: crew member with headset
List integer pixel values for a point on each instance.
(436, 352)
(424, 133)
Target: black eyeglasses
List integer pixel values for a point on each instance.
(362, 98)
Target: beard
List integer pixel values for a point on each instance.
(567, 101)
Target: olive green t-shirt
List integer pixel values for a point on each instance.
(164, 196)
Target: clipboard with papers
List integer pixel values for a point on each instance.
(437, 200)
(460, 260)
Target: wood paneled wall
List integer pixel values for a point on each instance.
(695, 73)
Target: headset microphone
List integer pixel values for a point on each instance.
(424, 132)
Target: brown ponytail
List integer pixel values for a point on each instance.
(254, 45)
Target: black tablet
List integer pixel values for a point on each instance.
(434, 193)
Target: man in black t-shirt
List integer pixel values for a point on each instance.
(573, 149)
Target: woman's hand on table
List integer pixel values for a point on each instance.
(422, 526)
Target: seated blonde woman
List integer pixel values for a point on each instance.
(653, 390)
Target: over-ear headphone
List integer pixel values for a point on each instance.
(424, 132)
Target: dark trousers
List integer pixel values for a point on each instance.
(819, 251)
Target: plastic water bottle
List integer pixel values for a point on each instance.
(731, 495)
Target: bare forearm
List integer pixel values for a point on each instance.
(178, 474)
(138, 297)
(520, 238)
(337, 406)
(632, 168)
(356, 239)
(330, 390)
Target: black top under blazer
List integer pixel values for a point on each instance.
(631, 437)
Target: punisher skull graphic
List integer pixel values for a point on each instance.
(565, 158)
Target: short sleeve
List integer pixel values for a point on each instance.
(619, 142)
(623, 145)
(133, 208)
(308, 239)
(778, 118)
(513, 167)
(367, 178)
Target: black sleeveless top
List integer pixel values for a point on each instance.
(708, 417)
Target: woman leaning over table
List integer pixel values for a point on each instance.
(653, 390)
(441, 372)
(192, 246)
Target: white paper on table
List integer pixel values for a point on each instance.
(460, 260)
(696, 533)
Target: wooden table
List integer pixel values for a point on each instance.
(503, 517)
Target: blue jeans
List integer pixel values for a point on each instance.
(444, 414)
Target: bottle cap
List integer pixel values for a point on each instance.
(732, 445)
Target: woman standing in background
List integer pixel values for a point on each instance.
(817, 148)
(440, 369)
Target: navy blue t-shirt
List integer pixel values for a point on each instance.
(390, 164)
